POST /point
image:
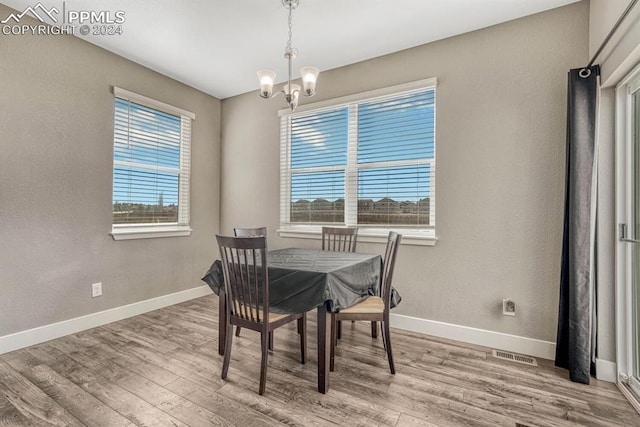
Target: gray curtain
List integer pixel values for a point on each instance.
(575, 347)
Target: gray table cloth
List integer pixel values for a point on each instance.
(303, 279)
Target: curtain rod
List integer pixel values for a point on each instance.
(586, 69)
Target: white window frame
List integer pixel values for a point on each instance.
(175, 229)
(366, 233)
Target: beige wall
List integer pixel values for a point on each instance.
(501, 107)
(56, 139)
(617, 59)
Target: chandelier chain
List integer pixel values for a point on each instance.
(289, 48)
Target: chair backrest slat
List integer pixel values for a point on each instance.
(245, 273)
(256, 287)
(388, 265)
(339, 239)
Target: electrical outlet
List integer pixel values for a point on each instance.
(96, 289)
(508, 307)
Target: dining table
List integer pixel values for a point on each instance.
(302, 280)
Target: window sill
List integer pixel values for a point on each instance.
(409, 237)
(149, 232)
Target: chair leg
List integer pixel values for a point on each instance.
(238, 328)
(264, 342)
(386, 336)
(333, 340)
(227, 351)
(271, 340)
(339, 332)
(302, 327)
(374, 330)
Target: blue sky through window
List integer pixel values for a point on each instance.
(137, 185)
(317, 185)
(320, 139)
(402, 183)
(401, 128)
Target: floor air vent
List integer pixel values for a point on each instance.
(527, 360)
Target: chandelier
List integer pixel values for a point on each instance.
(309, 74)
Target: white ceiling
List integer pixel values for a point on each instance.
(218, 45)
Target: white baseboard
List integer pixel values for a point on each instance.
(40, 334)
(606, 370)
(497, 340)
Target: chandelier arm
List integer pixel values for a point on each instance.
(273, 94)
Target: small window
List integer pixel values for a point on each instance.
(151, 168)
(366, 161)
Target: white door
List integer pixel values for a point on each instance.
(628, 249)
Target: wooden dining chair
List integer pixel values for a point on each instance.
(246, 282)
(374, 308)
(340, 239)
(343, 239)
(252, 232)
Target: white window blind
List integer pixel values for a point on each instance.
(396, 159)
(369, 162)
(151, 163)
(319, 145)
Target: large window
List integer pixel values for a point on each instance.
(367, 160)
(151, 168)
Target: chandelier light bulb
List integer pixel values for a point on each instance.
(266, 79)
(309, 79)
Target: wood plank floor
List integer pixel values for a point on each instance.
(162, 368)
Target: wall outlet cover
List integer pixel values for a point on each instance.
(508, 307)
(96, 289)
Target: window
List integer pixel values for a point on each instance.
(367, 160)
(151, 168)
